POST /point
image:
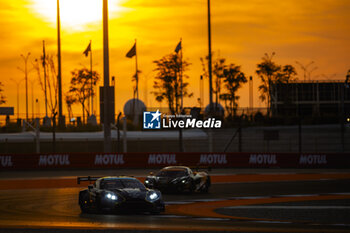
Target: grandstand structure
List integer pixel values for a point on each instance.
(310, 98)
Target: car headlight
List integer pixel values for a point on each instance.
(184, 181)
(152, 196)
(147, 181)
(112, 196)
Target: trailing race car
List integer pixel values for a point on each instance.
(178, 179)
(119, 194)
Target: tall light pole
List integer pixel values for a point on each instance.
(106, 122)
(209, 62)
(59, 74)
(211, 105)
(17, 84)
(32, 87)
(44, 67)
(146, 88)
(305, 68)
(91, 87)
(251, 94)
(37, 107)
(201, 91)
(25, 71)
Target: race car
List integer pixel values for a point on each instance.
(178, 179)
(119, 194)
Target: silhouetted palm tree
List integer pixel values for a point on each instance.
(80, 87)
(271, 73)
(167, 84)
(233, 79)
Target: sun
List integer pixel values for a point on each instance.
(75, 14)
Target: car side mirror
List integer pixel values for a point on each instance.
(90, 186)
(151, 173)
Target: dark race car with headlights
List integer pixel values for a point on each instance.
(179, 179)
(119, 194)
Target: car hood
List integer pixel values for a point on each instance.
(131, 192)
(169, 179)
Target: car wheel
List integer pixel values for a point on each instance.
(192, 187)
(158, 210)
(206, 186)
(84, 208)
(83, 203)
(155, 212)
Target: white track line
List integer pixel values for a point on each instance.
(178, 202)
(251, 197)
(289, 207)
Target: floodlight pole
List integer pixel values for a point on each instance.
(59, 74)
(209, 63)
(32, 87)
(44, 67)
(106, 123)
(25, 71)
(17, 84)
(92, 90)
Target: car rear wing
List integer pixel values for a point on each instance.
(87, 178)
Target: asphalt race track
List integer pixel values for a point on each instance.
(318, 205)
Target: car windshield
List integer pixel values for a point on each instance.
(172, 173)
(121, 184)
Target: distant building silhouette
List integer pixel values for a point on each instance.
(310, 98)
(218, 110)
(134, 108)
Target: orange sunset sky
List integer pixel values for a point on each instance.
(242, 31)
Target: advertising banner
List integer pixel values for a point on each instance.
(152, 160)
